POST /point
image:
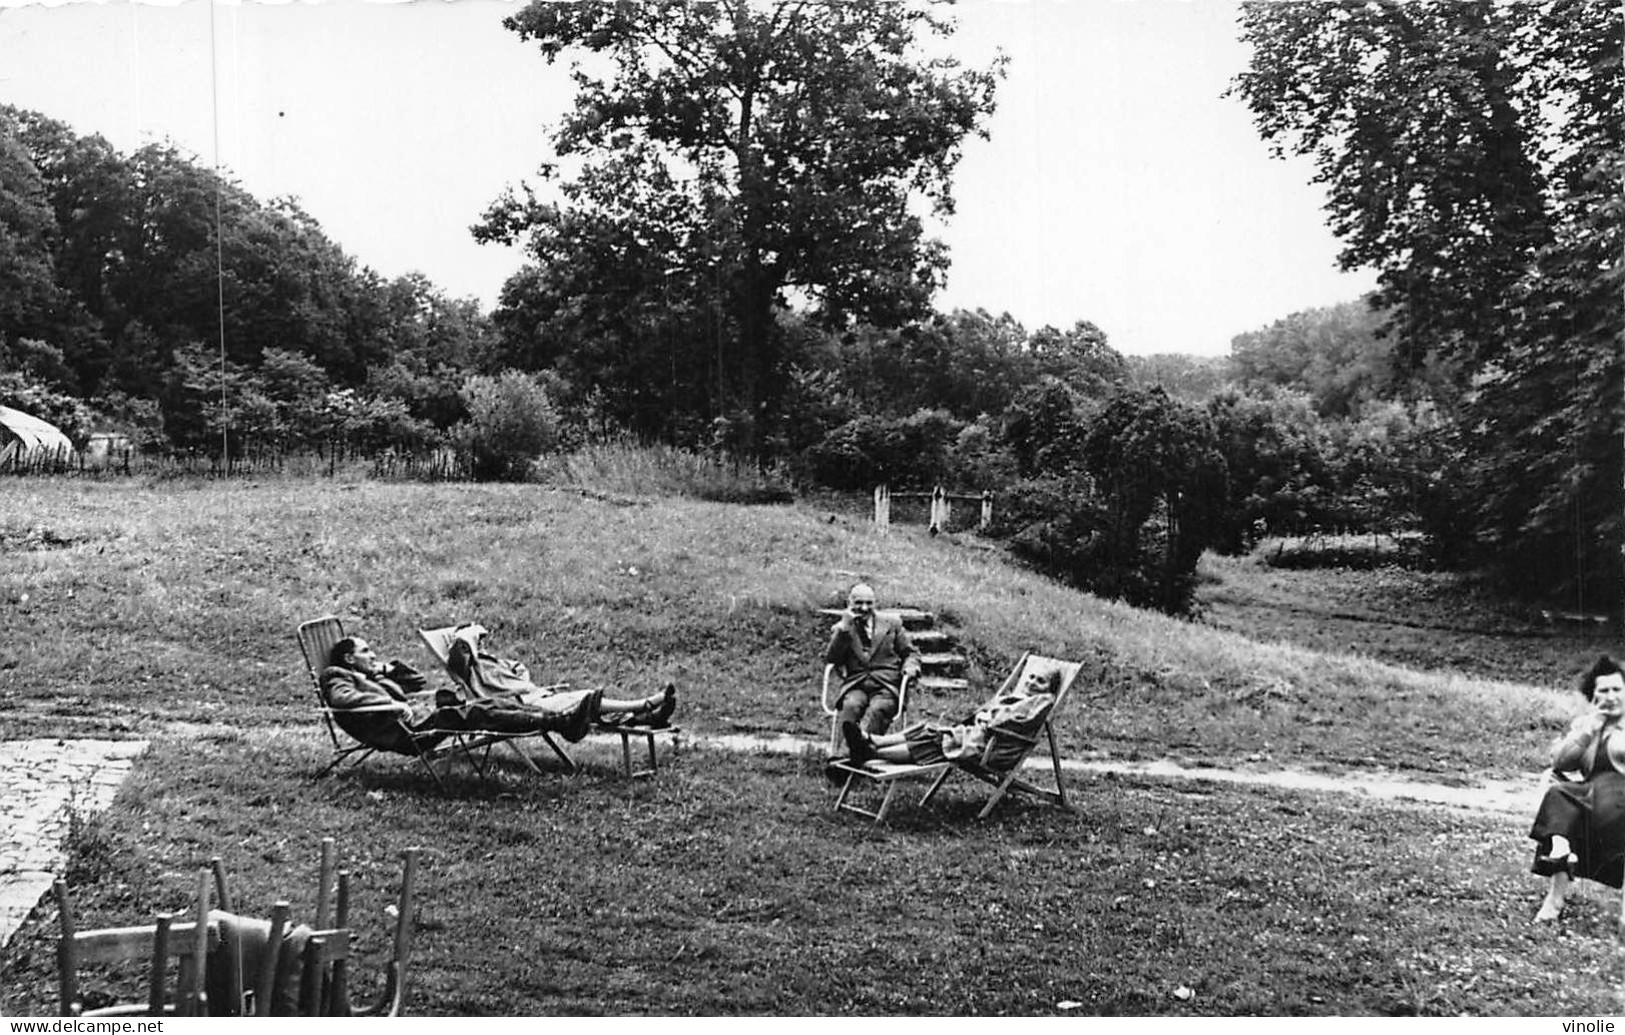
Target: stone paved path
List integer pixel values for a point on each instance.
(37, 780)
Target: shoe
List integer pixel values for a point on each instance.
(856, 743)
(668, 707)
(1549, 865)
(581, 720)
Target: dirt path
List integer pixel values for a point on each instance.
(1519, 797)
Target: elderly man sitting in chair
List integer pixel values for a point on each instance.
(356, 679)
(872, 654)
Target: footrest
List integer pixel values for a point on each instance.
(889, 774)
(648, 733)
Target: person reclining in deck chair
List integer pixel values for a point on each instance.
(356, 679)
(1020, 710)
(472, 665)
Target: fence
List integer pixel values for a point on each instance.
(942, 502)
(435, 465)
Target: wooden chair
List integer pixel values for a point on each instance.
(213, 971)
(999, 764)
(382, 728)
(440, 641)
(156, 944)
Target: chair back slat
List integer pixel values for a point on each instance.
(317, 638)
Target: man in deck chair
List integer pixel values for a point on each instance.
(871, 653)
(355, 678)
(1020, 710)
(471, 664)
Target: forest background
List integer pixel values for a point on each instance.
(736, 263)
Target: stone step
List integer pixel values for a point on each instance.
(911, 618)
(929, 640)
(940, 684)
(934, 661)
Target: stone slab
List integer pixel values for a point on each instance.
(40, 782)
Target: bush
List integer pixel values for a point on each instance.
(902, 452)
(511, 423)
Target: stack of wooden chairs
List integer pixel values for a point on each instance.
(224, 965)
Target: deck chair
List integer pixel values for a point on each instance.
(999, 764)
(439, 641)
(382, 728)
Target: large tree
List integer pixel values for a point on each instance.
(1472, 154)
(740, 156)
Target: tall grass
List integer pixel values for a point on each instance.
(627, 468)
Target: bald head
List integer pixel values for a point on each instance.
(860, 601)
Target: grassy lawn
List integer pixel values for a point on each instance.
(726, 885)
(729, 887)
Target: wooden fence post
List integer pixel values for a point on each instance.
(939, 510)
(882, 509)
(987, 510)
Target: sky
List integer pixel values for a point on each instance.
(1117, 185)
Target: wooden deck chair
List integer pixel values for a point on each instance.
(382, 728)
(999, 764)
(439, 641)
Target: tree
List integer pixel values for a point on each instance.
(1413, 115)
(1334, 354)
(740, 154)
(1472, 154)
(31, 304)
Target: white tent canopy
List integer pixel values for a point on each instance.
(22, 433)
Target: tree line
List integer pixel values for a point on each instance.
(738, 265)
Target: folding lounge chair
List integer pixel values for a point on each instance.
(999, 764)
(439, 641)
(382, 728)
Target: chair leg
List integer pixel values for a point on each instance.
(998, 792)
(1055, 763)
(529, 762)
(885, 803)
(564, 759)
(938, 782)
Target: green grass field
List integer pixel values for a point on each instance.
(727, 886)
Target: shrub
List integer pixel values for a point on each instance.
(511, 423)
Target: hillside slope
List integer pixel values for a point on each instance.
(131, 606)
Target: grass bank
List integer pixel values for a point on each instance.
(132, 606)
